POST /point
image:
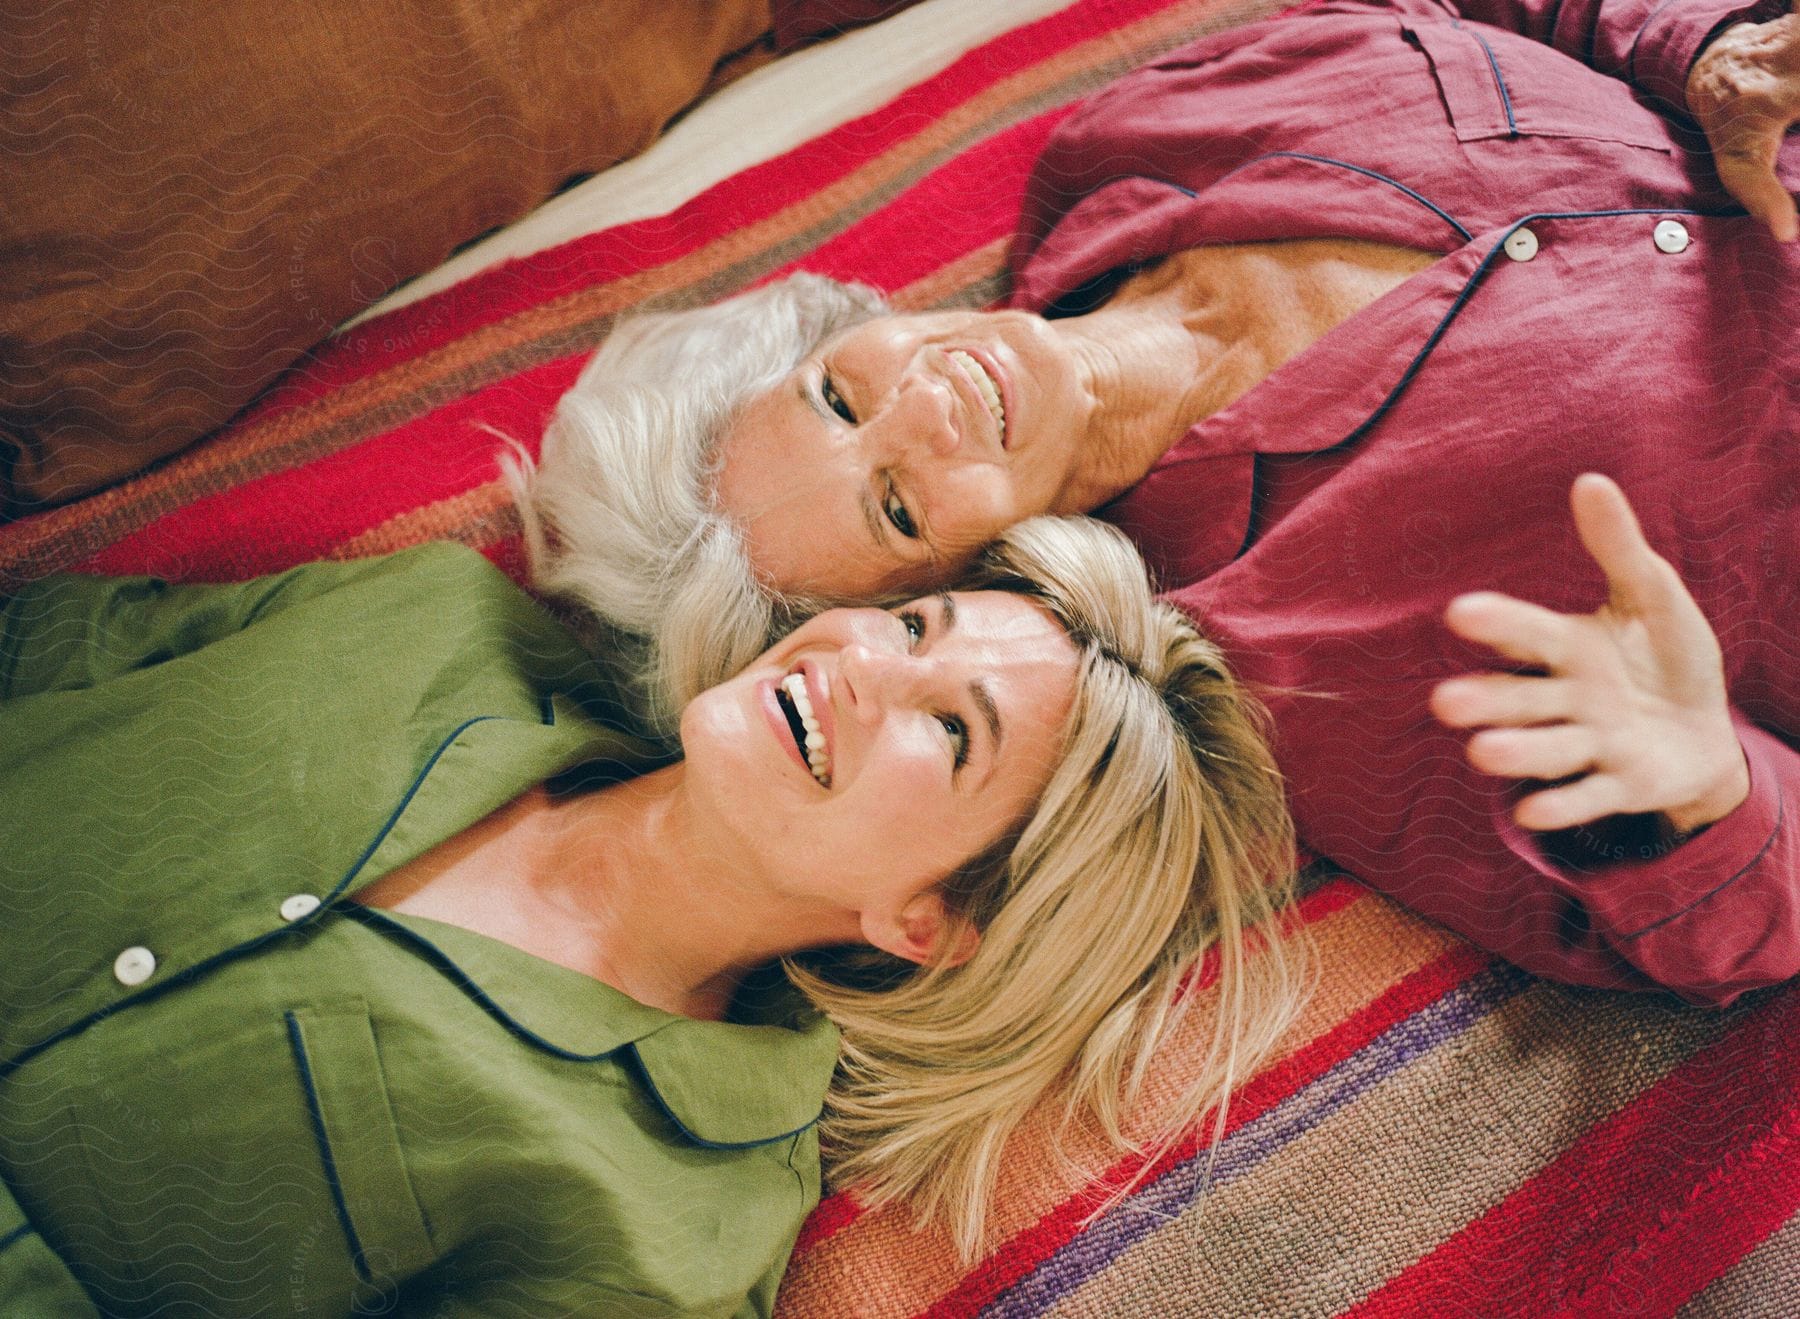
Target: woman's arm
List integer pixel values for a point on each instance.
(1650, 44)
(1734, 67)
(1629, 716)
(1744, 89)
(70, 632)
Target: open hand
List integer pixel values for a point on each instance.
(1744, 89)
(1632, 704)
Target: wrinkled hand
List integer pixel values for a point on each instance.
(1632, 699)
(1744, 90)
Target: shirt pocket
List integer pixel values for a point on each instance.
(359, 1149)
(1497, 84)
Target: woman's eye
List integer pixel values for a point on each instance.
(835, 401)
(897, 514)
(959, 737)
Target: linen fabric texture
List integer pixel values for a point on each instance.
(319, 1107)
(1318, 526)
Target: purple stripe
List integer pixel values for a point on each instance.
(1158, 1203)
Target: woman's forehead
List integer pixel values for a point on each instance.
(1003, 628)
(905, 322)
(806, 508)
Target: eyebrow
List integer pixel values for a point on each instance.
(878, 527)
(880, 530)
(979, 691)
(871, 515)
(984, 701)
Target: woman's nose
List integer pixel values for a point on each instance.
(923, 414)
(875, 680)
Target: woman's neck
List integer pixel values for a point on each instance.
(620, 884)
(1188, 336)
(1150, 377)
(667, 914)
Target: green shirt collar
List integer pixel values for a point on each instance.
(722, 1084)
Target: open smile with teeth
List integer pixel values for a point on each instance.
(984, 384)
(797, 705)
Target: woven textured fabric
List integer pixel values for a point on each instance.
(1442, 1134)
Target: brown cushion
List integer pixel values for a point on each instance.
(192, 195)
(799, 21)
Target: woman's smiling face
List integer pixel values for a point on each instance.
(933, 729)
(885, 460)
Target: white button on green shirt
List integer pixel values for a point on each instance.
(226, 1090)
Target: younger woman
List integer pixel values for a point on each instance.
(351, 959)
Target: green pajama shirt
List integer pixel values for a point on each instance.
(226, 1090)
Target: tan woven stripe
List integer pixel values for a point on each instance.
(892, 1270)
(1765, 1284)
(482, 516)
(388, 399)
(1370, 1190)
(957, 282)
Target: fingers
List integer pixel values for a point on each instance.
(1744, 89)
(1638, 576)
(1747, 170)
(1555, 752)
(1500, 700)
(1545, 751)
(1643, 584)
(1567, 805)
(1520, 631)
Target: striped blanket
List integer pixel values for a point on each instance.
(1443, 1134)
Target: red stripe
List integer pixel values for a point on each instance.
(833, 1215)
(750, 196)
(1330, 897)
(972, 200)
(837, 1212)
(1648, 1206)
(1032, 1247)
(1722, 1221)
(303, 513)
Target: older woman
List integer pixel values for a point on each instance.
(350, 959)
(1328, 313)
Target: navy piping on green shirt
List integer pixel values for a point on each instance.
(385, 924)
(315, 1111)
(650, 1085)
(25, 1055)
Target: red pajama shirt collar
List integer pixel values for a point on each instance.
(1318, 399)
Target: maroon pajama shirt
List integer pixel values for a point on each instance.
(1600, 304)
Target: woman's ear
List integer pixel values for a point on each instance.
(919, 928)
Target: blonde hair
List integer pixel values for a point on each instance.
(1163, 833)
(617, 511)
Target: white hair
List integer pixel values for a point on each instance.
(618, 513)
